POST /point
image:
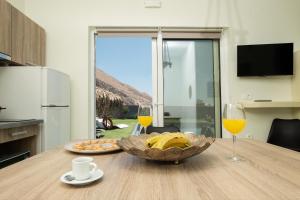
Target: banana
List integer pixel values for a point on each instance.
(180, 142)
(152, 140)
(168, 140)
(160, 143)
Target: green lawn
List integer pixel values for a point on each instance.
(118, 133)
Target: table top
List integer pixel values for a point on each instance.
(268, 172)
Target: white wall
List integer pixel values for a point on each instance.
(178, 100)
(171, 75)
(19, 4)
(249, 21)
(188, 96)
(188, 75)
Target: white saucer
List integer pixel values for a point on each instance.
(95, 176)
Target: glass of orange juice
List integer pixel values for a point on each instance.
(145, 116)
(234, 121)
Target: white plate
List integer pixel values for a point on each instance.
(95, 176)
(69, 147)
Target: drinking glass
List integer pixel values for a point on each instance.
(234, 121)
(145, 116)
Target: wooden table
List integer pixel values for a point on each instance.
(269, 172)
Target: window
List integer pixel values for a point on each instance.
(185, 76)
(189, 90)
(123, 81)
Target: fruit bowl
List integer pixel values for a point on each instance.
(136, 146)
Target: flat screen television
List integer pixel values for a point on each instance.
(265, 59)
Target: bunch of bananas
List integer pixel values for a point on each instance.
(167, 140)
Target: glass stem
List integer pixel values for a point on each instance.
(233, 146)
(145, 129)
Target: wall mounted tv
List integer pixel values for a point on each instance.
(265, 59)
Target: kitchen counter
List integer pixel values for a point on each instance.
(17, 124)
(268, 172)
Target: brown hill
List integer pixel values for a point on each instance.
(128, 94)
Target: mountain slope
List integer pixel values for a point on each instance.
(128, 94)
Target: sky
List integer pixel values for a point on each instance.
(127, 59)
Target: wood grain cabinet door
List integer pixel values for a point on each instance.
(27, 42)
(18, 37)
(42, 47)
(5, 27)
(35, 39)
(31, 33)
(40, 42)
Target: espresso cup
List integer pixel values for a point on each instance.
(83, 168)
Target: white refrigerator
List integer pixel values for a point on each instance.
(38, 93)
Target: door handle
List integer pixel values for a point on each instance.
(18, 133)
(2, 108)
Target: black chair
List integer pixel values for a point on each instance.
(151, 129)
(285, 133)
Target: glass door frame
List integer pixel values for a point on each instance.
(158, 77)
(157, 80)
(157, 34)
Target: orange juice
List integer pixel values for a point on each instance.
(145, 121)
(234, 126)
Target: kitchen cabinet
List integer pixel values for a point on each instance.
(12, 134)
(28, 40)
(18, 41)
(5, 27)
(30, 34)
(42, 47)
(19, 139)
(34, 43)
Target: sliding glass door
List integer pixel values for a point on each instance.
(190, 85)
(185, 75)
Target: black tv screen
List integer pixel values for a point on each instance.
(265, 59)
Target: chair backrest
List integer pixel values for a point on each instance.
(151, 129)
(285, 133)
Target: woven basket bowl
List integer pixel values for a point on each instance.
(135, 145)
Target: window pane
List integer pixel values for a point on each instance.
(123, 81)
(189, 93)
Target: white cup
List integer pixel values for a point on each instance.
(83, 168)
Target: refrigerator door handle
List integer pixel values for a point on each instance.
(55, 106)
